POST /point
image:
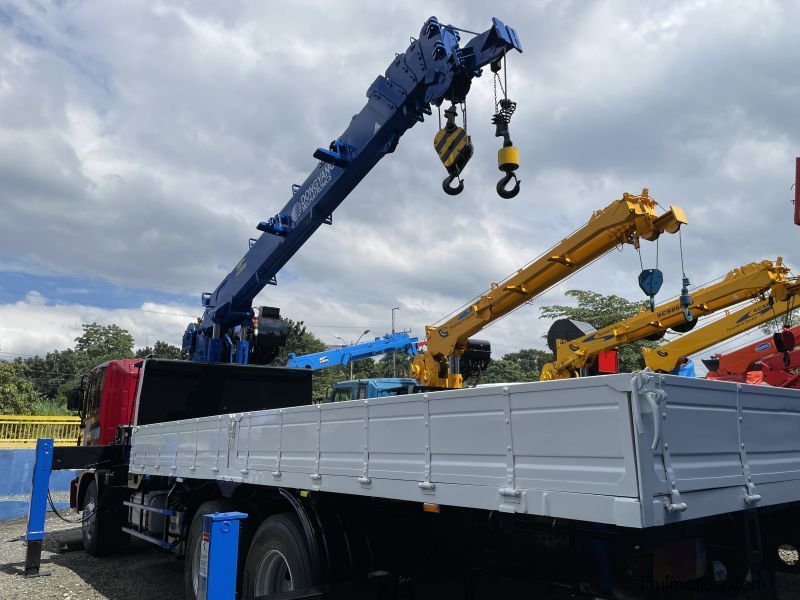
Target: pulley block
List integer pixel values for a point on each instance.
(454, 148)
(650, 282)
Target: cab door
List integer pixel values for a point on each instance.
(94, 391)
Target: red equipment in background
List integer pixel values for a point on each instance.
(773, 360)
(608, 362)
(797, 191)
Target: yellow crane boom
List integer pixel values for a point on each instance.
(746, 282)
(624, 221)
(783, 298)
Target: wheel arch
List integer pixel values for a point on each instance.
(84, 479)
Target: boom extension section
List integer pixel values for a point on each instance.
(747, 282)
(434, 69)
(783, 298)
(624, 221)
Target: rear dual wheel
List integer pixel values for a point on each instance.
(191, 565)
(276, 560)
(279, 559)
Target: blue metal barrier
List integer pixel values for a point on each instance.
(38, 508)
(219, 548)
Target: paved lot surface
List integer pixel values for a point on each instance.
(137, 572)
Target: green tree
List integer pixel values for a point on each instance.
(599, 311)
(300, 341)
(99, 343)
(159, 350)
(530, 360)
(18, 396)
(49, 373)
(504, 371)
(774, 325)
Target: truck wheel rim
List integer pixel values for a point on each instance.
(88, 519)
(273, 574)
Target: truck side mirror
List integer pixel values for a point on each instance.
(75, 399)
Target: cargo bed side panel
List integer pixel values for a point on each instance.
(720, 447)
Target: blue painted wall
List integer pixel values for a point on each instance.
(16, 468)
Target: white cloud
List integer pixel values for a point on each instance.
(36, 326)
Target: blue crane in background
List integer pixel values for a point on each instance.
(391, 342)
(434, 69)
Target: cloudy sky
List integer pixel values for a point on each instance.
(142, 142)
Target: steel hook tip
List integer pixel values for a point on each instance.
(448, 187)
(501, 186)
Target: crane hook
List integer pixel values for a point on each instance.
(506, 179)
(449, 189)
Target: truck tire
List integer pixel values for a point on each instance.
(279, 559)
(192, 553)
(100, 524)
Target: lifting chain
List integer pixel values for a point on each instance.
(685, 299)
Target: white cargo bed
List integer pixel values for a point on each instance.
(577, 449)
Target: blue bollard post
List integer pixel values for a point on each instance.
(37, 511)
(219, 548)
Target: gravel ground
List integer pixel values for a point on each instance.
(140, 571)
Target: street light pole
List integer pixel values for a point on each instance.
(394, 352)
(366, 331)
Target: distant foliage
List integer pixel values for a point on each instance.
(159, 350)
(504, 371)
(300, 341)
(594, 308)
(52, 376)
(600, 311)
(776, 325)
(104, 342)
(18, 396)
(530, 360)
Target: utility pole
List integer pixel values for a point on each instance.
(394, 352)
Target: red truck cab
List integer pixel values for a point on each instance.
(108, 400)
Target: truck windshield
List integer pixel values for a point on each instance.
(342, 394)
(397, 391)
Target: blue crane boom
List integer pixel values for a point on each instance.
(433, 69)
(391, 342)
